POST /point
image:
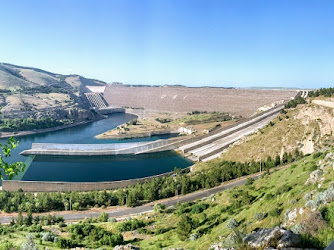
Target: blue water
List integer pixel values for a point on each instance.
(94, 168)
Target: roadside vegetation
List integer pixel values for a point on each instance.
(295, 198)
(177, 183)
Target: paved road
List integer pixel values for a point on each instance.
(211, 147)
(124, 212)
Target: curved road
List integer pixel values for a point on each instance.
(125, 212)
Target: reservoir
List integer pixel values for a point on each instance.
(94, 168)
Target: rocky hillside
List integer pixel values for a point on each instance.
(292, 207)
(19, 77)
(30, 92)
(308, 127)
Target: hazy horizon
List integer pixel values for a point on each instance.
(194, 43)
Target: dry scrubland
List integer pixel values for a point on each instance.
(168, 122)
(242, 102)
(308, 127)
(35, 93)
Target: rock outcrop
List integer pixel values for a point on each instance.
(276, 237)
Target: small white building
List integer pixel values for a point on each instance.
(186, 130)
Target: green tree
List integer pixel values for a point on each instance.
(19, 220)
(131, 199)
(184, 227)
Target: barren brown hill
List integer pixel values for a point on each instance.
(182, 99)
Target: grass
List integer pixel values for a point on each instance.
(271, 195)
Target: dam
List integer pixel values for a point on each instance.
(57, 166)
(200, 148)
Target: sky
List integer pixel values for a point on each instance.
(238, 43)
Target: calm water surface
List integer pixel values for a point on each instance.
(51, 168)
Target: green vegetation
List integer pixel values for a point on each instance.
(294, 103)
(327, 92)
(158, 188)
(22, 124)
(55, 88)
(262, 204)
(227, 216)
(9, 169)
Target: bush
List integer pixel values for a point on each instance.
(249, 181)
(112, 220)
(76, 206)
(293, 201)
(232, 224)
(198, 208)
(259, 216)
(130, 225)
(35, 229)
(275, 212)
(311, 204)
(47, 237)
(308, 196)
(184, 227)
(29, 244)
(103, 217)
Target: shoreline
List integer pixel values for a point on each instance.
(5, 135)
(136, 135)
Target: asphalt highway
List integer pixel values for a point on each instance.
(125, 212)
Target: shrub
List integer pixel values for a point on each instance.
(112, 220)
(308, 196)
(259, 216)
(130, 225)
(35, 229)
(232, 224)
(293, 201)
(184, 227)
(249, 181)
(103, 217)
(198, 208)
(76, 206)
(29, 244)
(311, 204)
(275, 212)
(47, 237)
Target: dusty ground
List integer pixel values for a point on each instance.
(244, 102)
(146, 125)
(30, 102)
(309, 127)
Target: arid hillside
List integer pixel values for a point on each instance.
(19, 77)
(30, 92)
(308, 128)
(244, 102)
